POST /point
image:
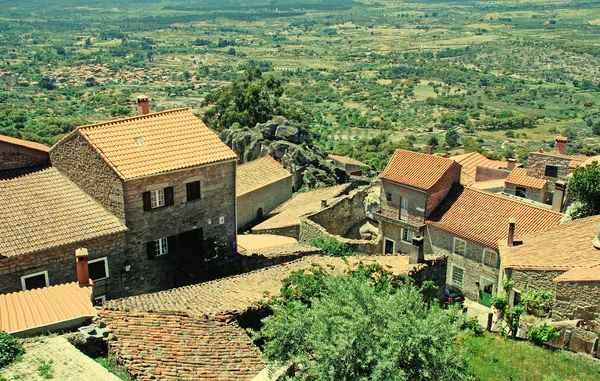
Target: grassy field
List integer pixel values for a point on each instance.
(492, 358)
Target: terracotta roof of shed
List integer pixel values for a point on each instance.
(289, 213)
(566, 156)
(470, 162)
(590, 274)
(482, 217)
(171, 346)
(43, 307)
(519, 176)
(564, 247)
(24, 143)
(44, 210)
(154, 143)
(258, 173)
(238, 293)
(416, 169)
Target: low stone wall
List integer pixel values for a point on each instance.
(578, 340)
(577, 300)
(310, 230)
(288, 231)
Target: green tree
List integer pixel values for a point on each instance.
(10, 349)
(355, 331)
(452, 137)
(596, 128)
(585, 185)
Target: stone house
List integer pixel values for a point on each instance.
(564, 259)
(168, 178)
(476, 168)
(19, 157)
(352, 166)
(44, 218)
(421, 196)
(262, 185)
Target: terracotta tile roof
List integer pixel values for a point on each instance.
(24, 143)
(519, 176)
(589, 160)
(416, 169)
(347, 160)
(566, 246)
(258, 173)
(238, 293)
(470, 162)
(566, 156)
(482, 217)
(175, 346)
(44, 210)
(43, 307)
(289, 213)
(590, 274)
(155, 143)
(252, 242)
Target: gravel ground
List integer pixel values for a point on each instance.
(68, 363)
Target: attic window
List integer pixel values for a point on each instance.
(138, 141)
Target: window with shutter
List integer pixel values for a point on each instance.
(169, 198)
(192, 191)
(157, 198)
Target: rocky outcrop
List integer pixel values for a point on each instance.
(290, 144)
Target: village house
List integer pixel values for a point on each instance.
(44, 218)
(476, 168)
(19, 157)
(351, 166)
(261, 186)
(421, 196)
(165, 176)
(564, 259)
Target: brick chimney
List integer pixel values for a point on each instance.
(143, 105)
(559, 196)
(561, 144)
(510, 241)
(511, 164)
(417, 251)
(83, 273)
(429, 150)
(541, 150)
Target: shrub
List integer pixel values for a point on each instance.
(332, 247)
(472, 324)
(10, 349)
(542, 334)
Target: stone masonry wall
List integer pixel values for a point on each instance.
(417, 200)
(538, 195)
(440, 242)
(434, 271)
(536, 167)
(74, 157)
(309, 230)
(577, 300)
(14, 156)
(393, 231)
(61, 266)
(217, 187)
(534, 280)
(436, 194)
(268, 198)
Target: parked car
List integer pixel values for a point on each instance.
(453, 295)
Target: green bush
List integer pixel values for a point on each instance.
(542, 334)
(472, 324)
(332, 247)
(10, 349)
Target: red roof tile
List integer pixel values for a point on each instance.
(43, 307)
(175, 346)
(470, 162)
(590, 274)
(482, 217)
(258, 173)
(416, 169)
(24, 143)
(566, 246)
(44, 210)
(155, 143)
(519, 176)
(566, 156)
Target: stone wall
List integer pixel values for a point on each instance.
(536, 167)
(15, 156)
(287, 231)
(417, 201)
(486, 173)
(578, 340)
(214, 213)
(577, 300)
(268, 198)
(393, 231)
(61, 266)
(441, 242)
(435, 271)
(74, 157)
(438, 192)
(534, 280)
(309, 230)
(539, 195)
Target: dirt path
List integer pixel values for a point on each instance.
(68, 363)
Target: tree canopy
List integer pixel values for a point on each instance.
(585, 184)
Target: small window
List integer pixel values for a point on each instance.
(98, 268)
(99, 300)
(516, 299)
(161, 247)
(33, 281)
(193, 191)
(490, 258)
(407, 235)
(388, 197)
(458, 276)
(551, 171)
(389, 246)
(221, 220)
(520, 191)
(404, 208)
(157, 198)
(460, 246)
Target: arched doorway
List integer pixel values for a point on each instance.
(259, 214)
